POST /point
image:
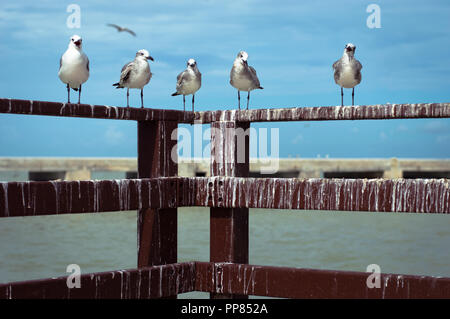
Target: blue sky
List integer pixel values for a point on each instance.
(292, 45)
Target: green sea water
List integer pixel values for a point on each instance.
(43, 246)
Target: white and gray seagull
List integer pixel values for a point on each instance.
(243, 77)
(136, 74)
(347, 71)
(74, 66)
(188, 82)
(121, 29)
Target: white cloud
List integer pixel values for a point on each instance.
(114, 136)
(436, 126)
(383, 136)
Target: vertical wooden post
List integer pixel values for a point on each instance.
(157, 228)
(229, 226)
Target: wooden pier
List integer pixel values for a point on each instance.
(229, 192)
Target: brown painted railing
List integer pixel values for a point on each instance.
(229, 193)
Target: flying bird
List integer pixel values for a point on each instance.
(188, 82)
(121, 29)
(74, 66)
(347, 71)
(243, 77)
(136, 74)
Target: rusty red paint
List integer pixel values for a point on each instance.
(322, 113)
(29, 107)
(229, 193)
(63, 197)
(143, 283)
(285, 282)
(230, 279)
(375, 195)
(329, 113)
(228, 226)
(157, 228)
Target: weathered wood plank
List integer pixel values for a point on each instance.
(285, 282)
(373, 195)
(143, 283)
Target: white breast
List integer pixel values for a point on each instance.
(347, 77)
(191, 86)
(73, 69)
(140, 77)
(242, 83)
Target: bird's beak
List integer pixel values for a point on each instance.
(150, 58)
(245, 62)
(78, 43)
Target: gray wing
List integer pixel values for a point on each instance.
(126, 70)
(181, 78)
(337, 67)
(358, 66)
(60, 62)
(114, 26)
(337, 64)
(129, 31)
(87, 63)
(254, 76)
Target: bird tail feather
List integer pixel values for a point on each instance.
(117, 85)
(260, 88)
(174, 94)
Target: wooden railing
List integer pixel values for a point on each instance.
(229, 193)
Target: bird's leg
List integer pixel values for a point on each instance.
(193, 99)
(239, 100)
(184, 103)
(353, 96)
(142, 98)
(342, 96)
(248, 99)
(79, 95)
(68, 93)
(128, 94)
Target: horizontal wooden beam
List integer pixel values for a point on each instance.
(321, 113)
(284, 282)
(142, 283)
(373, 195)
(64, 197)
(229, 278)
(29, 107)
(329, 113)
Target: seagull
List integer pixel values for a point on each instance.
(347, 71)
(74, 66)
(243, 77)
(121, 29)
(136, 74)
(188, 82)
